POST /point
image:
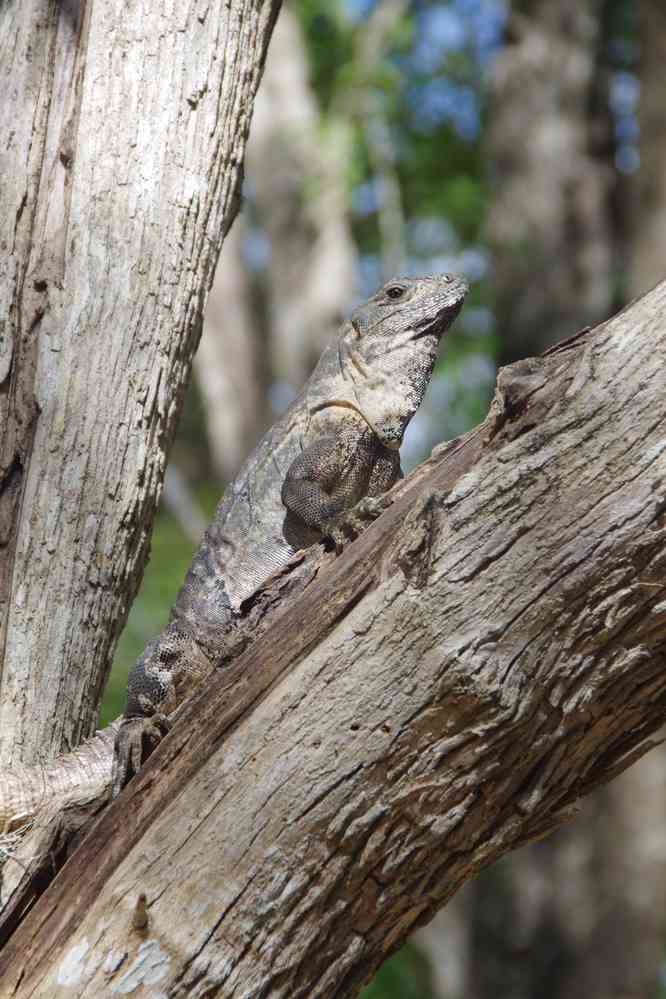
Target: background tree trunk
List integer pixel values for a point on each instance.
(297, 163)
(125, 135)
(267, 321)
(491, 649)
(549, 218)
(230, 364)
(648, 231)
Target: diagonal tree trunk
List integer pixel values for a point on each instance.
(125, 135)
(490, 650)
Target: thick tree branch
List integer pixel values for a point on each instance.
(487, 652)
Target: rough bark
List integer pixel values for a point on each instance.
(609, 872)
(125, 133)
(582, 913)
(549, 221)
(490, 650)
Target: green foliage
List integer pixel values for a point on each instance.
(404, 976)
(330, 44)
(171, 553)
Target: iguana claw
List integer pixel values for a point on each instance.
(351, 523)
(135, 741)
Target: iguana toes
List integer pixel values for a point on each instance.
(318, 473)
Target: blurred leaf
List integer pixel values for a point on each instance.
(403, 976)
(171, 554)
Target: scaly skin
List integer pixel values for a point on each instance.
(320, 472)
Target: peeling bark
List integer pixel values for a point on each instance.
(490, 650)
(124, 134)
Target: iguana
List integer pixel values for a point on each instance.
(319, 473)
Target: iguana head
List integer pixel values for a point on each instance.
(387, 353)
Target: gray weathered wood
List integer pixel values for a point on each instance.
(486, 653)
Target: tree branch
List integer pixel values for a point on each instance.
(486, 653)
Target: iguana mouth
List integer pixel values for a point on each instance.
(441, 324)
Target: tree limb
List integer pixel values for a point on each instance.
(486, 653)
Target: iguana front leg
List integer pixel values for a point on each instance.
(335, 484)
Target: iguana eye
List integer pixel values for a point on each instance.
(395, 291)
